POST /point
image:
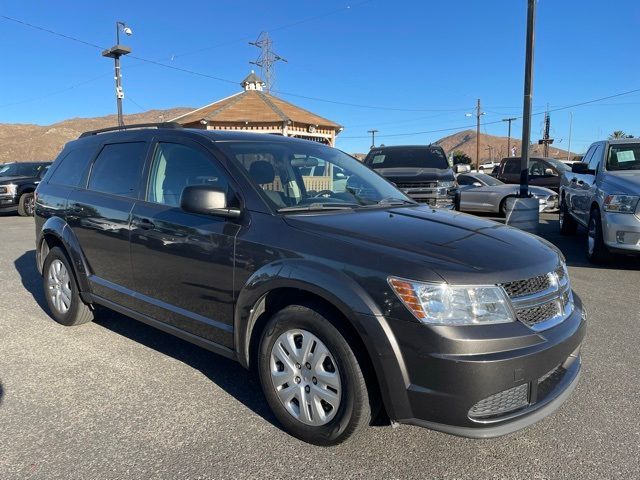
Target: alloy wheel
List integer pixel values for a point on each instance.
(59, 286)
(30, 205)
(305, 376)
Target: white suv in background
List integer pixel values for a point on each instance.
(603, 193)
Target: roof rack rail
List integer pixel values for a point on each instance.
(134, 126)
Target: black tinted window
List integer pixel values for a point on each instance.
(176, 166)
(512, 166)
(465, 180)
(70, 169)
(117, 169)
(415, 157)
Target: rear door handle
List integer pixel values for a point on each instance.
(144, 224)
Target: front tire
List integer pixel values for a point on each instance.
(26, 205)
(311, 377)
(61, 290)
(597, 251)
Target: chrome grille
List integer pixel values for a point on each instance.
(529, 286)
(501, 403)
(538, 314)
(417, 185)
(543, 301)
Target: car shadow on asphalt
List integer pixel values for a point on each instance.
(227, 374)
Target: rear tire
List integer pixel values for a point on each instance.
(319, 396)
(61, 290)
(26, 205)
(597, 251)
(503, 206)
(568, 224)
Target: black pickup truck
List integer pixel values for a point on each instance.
(420, 171)
(18, 181)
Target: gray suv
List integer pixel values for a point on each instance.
(603, 193)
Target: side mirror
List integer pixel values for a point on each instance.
(582, 168)
(462, 168)
(207, 200)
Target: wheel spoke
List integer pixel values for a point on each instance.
(280, 353)
(290, 345)
(328, 396)
(308, 341)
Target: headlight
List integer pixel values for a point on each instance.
(621, 203)
(8, 189)
(447, 184)
(442, 304)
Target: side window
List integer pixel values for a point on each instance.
(464, 180)
(512, 165)
(596, 158)
(536, 168)
(118, 168)
(69, 170)
(176, 166)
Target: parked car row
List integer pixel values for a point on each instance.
(602, 193)
(350, 300)
(18, 181)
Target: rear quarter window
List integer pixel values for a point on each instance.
(512, 166)
(69, 169)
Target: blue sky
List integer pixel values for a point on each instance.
(425, 62)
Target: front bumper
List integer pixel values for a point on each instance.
(621, 232)
(8, 202)
(468, 381)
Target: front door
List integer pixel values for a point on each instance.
(183, 262)
(542, 174)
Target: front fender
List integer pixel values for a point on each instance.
(59, 229)
(341, 291)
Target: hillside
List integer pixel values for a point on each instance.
(23, 142)
(466, 142)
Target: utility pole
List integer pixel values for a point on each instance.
(546, 141)
(116, 52)
(478, 136)
(508, 120)
(570, 125)
(490, 149)
(373, 137)
(266, 59)
(528, 93)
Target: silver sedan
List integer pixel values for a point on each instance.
(480, 192)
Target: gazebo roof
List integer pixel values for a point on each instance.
(254, 106)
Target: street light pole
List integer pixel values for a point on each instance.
(509, 120)
(116, 52)
(373, 137)
(528, 83)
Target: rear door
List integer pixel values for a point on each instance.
(183, 262)
(100, 214)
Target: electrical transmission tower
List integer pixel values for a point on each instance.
(266, 59)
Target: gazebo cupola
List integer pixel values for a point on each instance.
(253, 82)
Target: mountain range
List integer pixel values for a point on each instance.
(25, 142)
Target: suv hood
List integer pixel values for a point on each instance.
(460, 248)
(624, 181)
(410, 174)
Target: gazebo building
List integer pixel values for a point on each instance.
(255, 110)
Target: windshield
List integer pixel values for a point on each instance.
(558, 165)
(19, 170)
(624, 157)
(488, 180)
(413, 157)
(301, 175)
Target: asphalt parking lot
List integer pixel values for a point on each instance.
(118, 399)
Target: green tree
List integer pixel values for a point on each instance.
(460, 157)
(619, 134)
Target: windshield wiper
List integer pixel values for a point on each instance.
(312, 207)
(396, 201)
